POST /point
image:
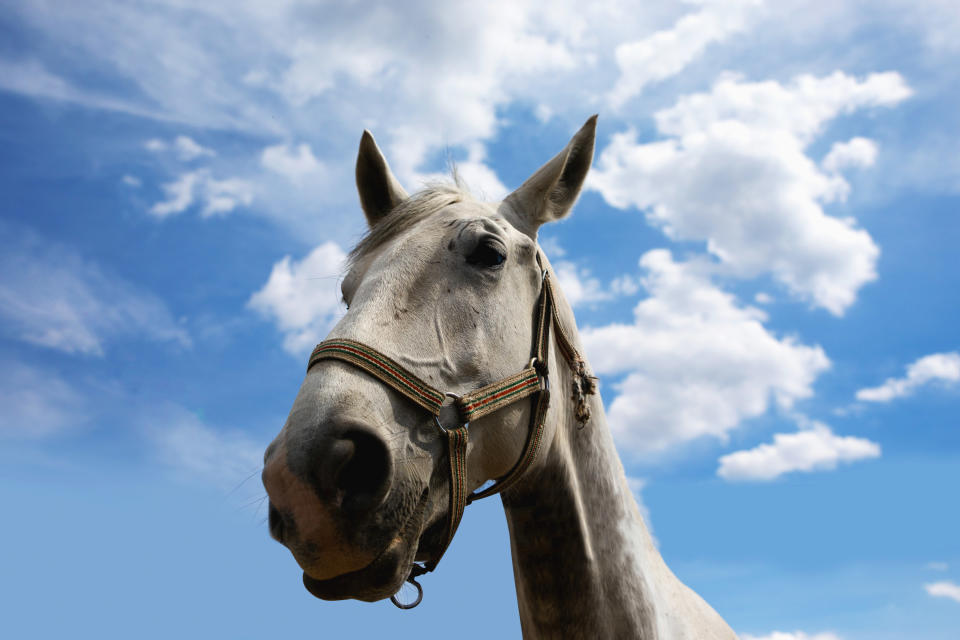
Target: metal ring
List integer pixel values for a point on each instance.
(401, 605)
(436, 418)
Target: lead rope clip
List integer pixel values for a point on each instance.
(412, 580)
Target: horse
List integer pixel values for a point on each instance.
(457, 363)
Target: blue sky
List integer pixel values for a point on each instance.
(763, 268)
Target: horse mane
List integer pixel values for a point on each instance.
(407, 215)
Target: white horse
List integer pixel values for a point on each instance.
(369, 474)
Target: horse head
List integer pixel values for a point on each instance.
(446, 289)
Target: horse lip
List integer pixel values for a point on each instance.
(383, 576)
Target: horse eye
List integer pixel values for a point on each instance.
(486, 255)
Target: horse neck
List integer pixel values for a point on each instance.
(584, 562)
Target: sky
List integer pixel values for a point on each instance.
(762, 265)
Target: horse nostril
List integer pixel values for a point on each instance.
(362, 475)
(276, 522)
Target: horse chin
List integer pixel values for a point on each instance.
(381, 578)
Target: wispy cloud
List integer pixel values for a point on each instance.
(944, 589)
(52, 297)
(184, 147)
(190, 446)
(935, 368)
(199, 187)
(38, 402)
(667, 52)
(294, 163)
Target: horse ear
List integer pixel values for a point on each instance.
(380, 192)
(551, 192)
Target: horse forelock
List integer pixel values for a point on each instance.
(407, 215)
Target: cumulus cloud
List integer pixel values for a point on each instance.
(813, 449)
(855, 152)
(52, 297)
(733, 173)
(184, 442)
(944, 589)
(795, 635)
(695, 362)
(199, 187)
(937, 367)
(667, 52)
(302, 298)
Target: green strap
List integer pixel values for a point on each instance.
(497, 395)
(457, 446)
(538, 413)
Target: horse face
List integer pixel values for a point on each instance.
(357, 478)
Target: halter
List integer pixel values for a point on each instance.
(531, 381)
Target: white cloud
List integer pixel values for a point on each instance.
(284, 68)
(31, 77)
(855, 152)
(579, 287)
(473, 173)
(796, 635)
(184, 442)
(937, 566)
(624, 285)
(937, 367)
(156, 145)
(188, 149)
(733, 173)
(223, 196)
(666, 52)
(52, 297)
(180, 195)
(813, 449)
(302, 298)
(185, 148)
(200, 187)
(696, 363)
(131, 181)
(295, 163)
(38, 402)
(944, 589)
